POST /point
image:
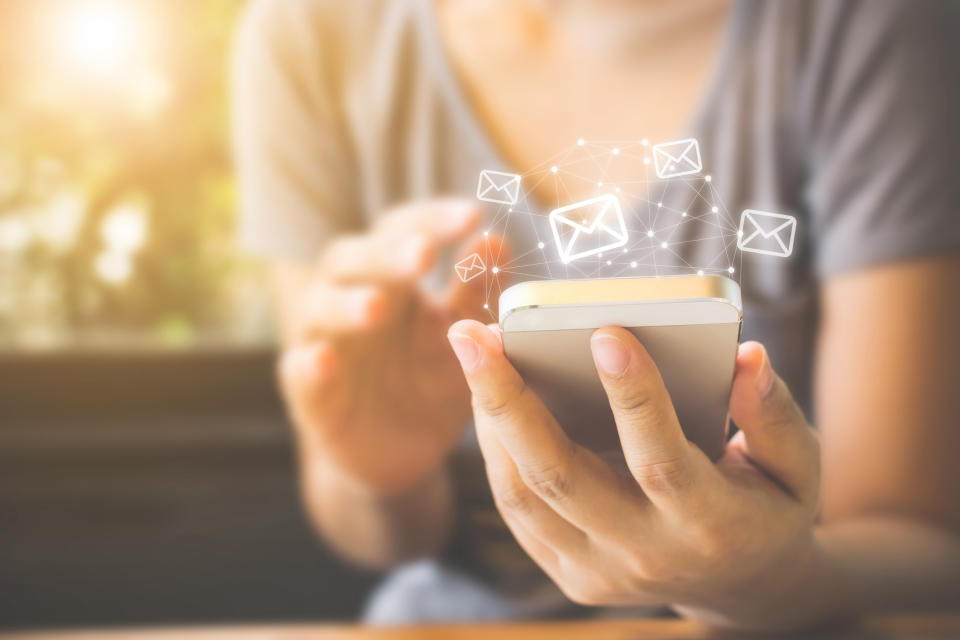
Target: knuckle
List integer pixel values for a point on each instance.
(670, 475)
(650, 568)
(501, 405)
(633, 398)
(512, 497)
(715, 541)
(550, 482)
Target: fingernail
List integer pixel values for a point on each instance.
(610, 354)
(467, 351)
(764, 380)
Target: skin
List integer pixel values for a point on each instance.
(784, 532)
(734, 543)
(370, 383)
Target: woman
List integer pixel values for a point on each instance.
(351, 118)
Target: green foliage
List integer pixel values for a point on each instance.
(150, 134)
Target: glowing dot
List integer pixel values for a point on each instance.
(486, 306)
(663, 245)
(624, 250)
(714, 209)
(644, 142)
(599, 184)
(609, 262)
(486, 233)
(113, 267)
(650, 233)
(683, 215)
(600, 255)
(708, 178)
(633, 264)
(496, 269)
(125, 228)
(510, 210)
(580, 141)
(700, 272)
(540, 245)
(616, 152)
(14, 234)
(646, 161)
(740, 233)
(730, 269)
(659, 204)
(554, 168)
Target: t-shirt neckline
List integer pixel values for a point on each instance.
(469, 122)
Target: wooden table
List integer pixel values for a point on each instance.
(918, 627)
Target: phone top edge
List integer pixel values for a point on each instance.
(562, 293)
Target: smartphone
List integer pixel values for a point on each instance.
(690, 325)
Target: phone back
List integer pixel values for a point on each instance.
(695, 361)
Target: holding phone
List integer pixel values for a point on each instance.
(690, 325)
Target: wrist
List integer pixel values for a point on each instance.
(799, 589)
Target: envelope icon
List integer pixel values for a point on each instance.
(470, 267)
(770, 234)
(588, 228)
(497, 186)
(679, 158)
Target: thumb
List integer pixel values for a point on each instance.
(776, 436)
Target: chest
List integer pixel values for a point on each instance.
(535, 95)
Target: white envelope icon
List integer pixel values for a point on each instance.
(679, 158)
(470, 267)
(770, 234)
(588, 228)
(497, 186)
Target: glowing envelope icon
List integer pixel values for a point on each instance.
(766, 233)
(497, 186)
(470, 267)
(588, 228)
(674, 159)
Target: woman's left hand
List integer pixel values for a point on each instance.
(719, 540)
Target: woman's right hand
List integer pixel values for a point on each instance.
(369, 380)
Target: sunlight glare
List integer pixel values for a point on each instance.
(98, 36)
(113, 267)
(124, 229)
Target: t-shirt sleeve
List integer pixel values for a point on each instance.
(295, 181)
(883, 184)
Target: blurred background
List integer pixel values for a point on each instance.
(145, 463)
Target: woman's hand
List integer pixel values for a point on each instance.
(719, 541)
(371, 385)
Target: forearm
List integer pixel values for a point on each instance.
(848, 568)
(894, 564)
(377, 531)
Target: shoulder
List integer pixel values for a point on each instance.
(872, 35)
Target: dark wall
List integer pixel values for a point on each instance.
(155, 488)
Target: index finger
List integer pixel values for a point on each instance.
(663, 462)
(573, 481)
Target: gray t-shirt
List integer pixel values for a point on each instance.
(842, 113)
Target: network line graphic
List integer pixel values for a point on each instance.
(609, 209)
